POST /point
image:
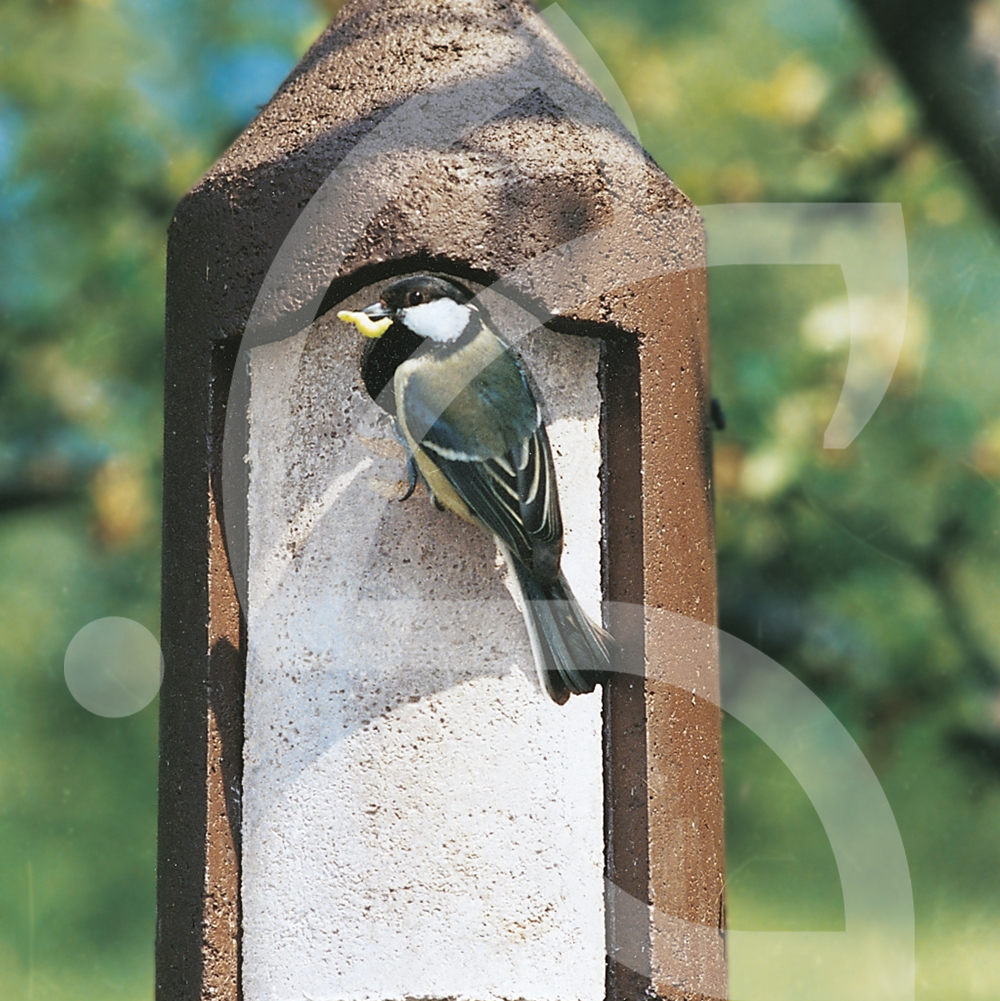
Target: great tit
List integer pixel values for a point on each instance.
(475, 436)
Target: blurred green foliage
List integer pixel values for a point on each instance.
(869, 572)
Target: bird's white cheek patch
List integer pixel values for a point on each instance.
(441, 320)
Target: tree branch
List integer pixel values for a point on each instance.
(948, 52)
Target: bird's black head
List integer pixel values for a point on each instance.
(421, 289)
(410, 313)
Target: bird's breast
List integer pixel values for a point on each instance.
(475, 397)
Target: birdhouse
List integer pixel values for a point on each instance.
(368, 788)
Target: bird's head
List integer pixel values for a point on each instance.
(414, 314)
(425, 305)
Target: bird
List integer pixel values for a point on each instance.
(475, 436)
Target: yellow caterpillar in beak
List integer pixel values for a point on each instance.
(365, 324)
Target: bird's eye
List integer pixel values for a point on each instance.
(416, 298)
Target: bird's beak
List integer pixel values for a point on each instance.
(373, 321)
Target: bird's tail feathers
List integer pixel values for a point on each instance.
(572, 654)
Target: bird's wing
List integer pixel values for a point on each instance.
(490, 443)
(514, 495)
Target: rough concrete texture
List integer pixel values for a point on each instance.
(420, 820)
(459, 131)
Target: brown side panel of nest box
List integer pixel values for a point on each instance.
(663, 760)
(683, 733)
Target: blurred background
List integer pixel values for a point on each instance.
(871, 572)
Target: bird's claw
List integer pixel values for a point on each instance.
(411, 479)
